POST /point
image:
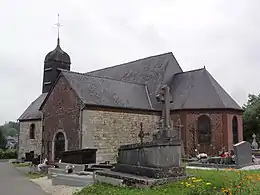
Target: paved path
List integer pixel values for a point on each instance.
(14, 182)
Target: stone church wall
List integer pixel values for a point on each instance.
(107, 129)
(25, 143)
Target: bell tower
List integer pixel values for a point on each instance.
(54, 61)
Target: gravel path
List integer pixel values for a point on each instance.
(46, 185)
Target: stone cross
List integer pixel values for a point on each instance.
(164, 97)
(142, 133)
(254, 143)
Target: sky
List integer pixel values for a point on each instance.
(223, 36)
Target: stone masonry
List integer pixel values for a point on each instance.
(25, 143)
(107, 129)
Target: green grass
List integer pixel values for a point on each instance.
(26, 164)
(35, 175)
(206, 182)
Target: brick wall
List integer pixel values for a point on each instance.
(25, 143)
(108, 129)
(62, 113)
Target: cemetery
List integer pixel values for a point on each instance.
(157, 166)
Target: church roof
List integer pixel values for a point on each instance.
(136, 84)
(32, 112)
(197, 89)
(151, 71)
(101, 91)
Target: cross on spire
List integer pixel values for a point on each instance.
(58, 24)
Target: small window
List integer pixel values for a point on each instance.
(32, 131)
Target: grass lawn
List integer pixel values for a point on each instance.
(26, 164)
(204, 182)
(35, 175)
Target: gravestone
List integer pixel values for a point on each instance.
(243, 153)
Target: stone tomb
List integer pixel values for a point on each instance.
(82, 156)
(156, 160)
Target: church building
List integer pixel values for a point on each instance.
(103, 109)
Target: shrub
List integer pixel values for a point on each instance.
(8, 154)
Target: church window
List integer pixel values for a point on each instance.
(235, 130)
(204, 130)
(32, 131)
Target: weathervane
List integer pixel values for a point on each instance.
(58, 24)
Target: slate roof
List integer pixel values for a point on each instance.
(32, 112)
(94, 90)
(135, 85)
(152, 71)
(197, 89)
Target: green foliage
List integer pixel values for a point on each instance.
(10, 129)
(251, 116)
(204, 182)
(8, 154)
(2, 140)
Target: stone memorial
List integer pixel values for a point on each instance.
(159, 159)
(254, 143)
(82, 156)
(243, 154)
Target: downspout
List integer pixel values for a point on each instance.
(80, 126)
(18, 144)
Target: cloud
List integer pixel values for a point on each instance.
(222, 35)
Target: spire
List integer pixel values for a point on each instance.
(58, 24)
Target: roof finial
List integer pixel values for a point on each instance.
(58, 26)
(204, 67)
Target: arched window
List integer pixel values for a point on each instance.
(235, 130)
(32, 131)
(204, 130)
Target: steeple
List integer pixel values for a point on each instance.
(54, 60)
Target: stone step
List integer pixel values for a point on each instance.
(72, 180)
(56, 171)
(108, 180)
(117, 178)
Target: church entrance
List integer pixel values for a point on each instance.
(59, 145)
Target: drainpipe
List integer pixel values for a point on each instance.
(80, 126)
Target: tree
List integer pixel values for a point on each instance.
(10, 129)
(251, 116)
(2, 140)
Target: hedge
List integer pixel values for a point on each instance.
(8, 154)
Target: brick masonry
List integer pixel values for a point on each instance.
(107, 129)
(25, 143)
(221, 124)
(62, 113)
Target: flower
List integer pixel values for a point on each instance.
(208, 184)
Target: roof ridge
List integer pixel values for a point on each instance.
(101, 77)
(208, 76)
(194, 70)
(123, 64)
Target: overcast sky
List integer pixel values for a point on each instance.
(222, 35)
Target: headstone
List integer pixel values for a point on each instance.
(254, 143)
(243, 153)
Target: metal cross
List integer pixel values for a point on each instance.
(58, 24)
